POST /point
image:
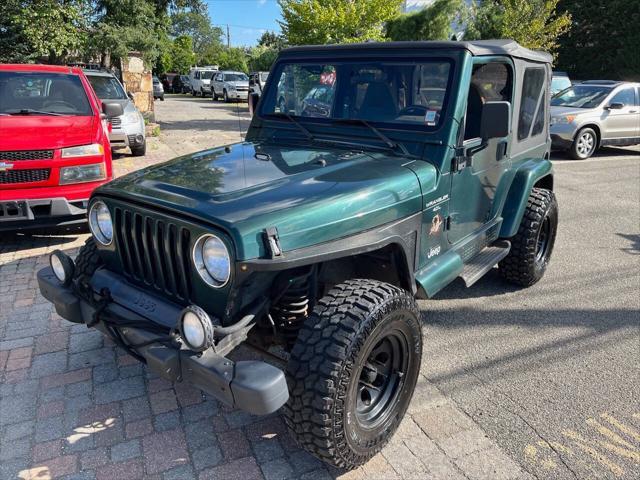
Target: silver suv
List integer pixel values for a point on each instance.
(127, 130)
(230, 86)
(593, 114)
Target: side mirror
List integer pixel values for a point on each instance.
(615, 106)
(253, 103)
(112, 109)
(496, 120)
(252, 82)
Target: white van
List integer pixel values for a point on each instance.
(200, 79)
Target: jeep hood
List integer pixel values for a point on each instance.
(311, 195)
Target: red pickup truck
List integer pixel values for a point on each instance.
(54, 145)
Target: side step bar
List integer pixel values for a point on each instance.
(484, 261)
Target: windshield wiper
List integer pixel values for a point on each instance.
(30, 111)
(301, 127)
(387, 141)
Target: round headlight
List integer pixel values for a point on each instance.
(100, 223)
(196, 328)
(62, 266)
(211, 258)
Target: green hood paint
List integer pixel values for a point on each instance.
(311, 194)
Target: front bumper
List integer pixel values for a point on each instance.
(238, 94)
(127, 137)
(256, 387)
(562, 135)
(41, 213)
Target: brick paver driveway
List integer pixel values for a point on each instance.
(72, 405)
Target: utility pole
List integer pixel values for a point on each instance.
(228, 37)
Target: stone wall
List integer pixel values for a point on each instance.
(137, 80)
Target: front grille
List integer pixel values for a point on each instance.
(25, 176)
(154, 253)
(17, 155)
(115, 121)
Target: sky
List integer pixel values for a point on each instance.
(248, 19)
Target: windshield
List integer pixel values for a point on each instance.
(581, 96)
(409, 93)
(107, 88)
(559, 83)
(207, 75)
(235, 77)
(42, 92)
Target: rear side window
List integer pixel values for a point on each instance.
(24, 93)
(532, 101)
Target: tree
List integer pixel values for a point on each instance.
(336, 21)
(431, 23)
(198, 26)
(233, 59)
(41, 28)
(272, 40)
(261, 58)
(182, 54)
(603, 40)
(532, 23)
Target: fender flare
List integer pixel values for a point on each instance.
(536, 171)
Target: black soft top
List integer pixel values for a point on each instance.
(479, 47)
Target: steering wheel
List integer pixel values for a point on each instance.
(67, 105)
(414, 111)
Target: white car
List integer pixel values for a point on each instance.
(201, 81)
(230, 86)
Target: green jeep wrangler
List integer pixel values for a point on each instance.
(371, 174)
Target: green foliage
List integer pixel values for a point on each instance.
(430, 23)
(336, 21)
(233, 59)
(603, 40)
(261, 58)
(532, 23)
(207, 39)
(182, 54)
(41, 28)
(272, 40)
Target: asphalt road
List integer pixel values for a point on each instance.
(551, 373)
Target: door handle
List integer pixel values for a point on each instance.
(501, 150)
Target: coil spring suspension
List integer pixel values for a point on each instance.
(293, 306)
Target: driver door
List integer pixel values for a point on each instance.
(475, 180)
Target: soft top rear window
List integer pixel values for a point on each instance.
(42, 93)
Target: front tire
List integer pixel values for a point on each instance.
(532, 246)
(584, 145)
(225, 95)
(353, 370)
(140, 150)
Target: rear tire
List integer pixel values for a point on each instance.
(584, 145)
(532, 246)
(352, 371)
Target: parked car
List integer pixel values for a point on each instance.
(257, 81)
(315, 235)
(593, 114)
(230, 86)
(559, 81)
(167, 81)
(318, 102)
(127, 130)
(158, 89)
(54, 145)
(201, 80)
(181, 84)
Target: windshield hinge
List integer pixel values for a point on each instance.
(272, 242)
(460, 160)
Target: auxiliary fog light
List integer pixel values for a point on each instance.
(196, 328)
(62, 266)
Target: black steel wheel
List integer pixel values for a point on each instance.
(532, 246)
(352, 371)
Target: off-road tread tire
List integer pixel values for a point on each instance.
(87, 262)
(339, 325)
(519, 266)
